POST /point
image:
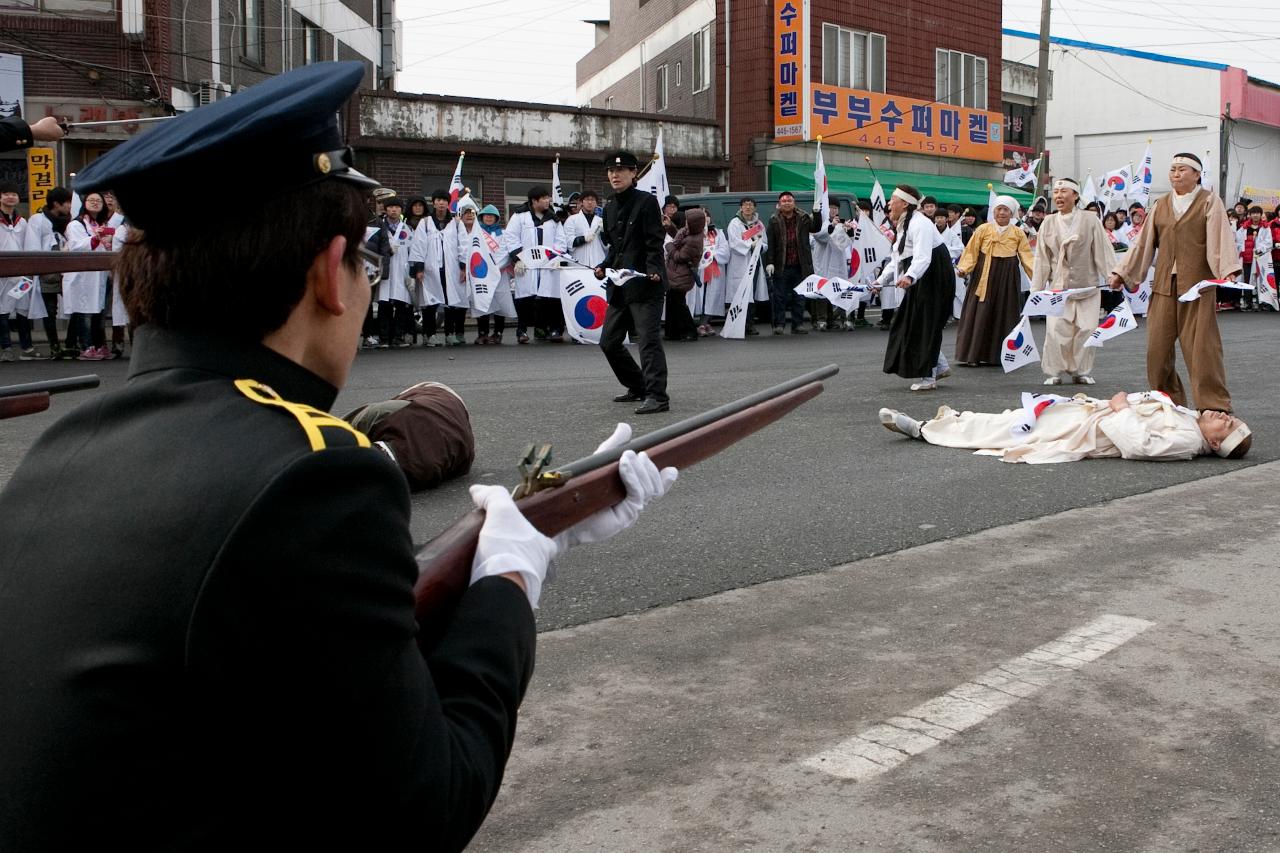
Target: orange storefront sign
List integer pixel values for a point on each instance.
(791, 69)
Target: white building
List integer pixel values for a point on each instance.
(1106, 102)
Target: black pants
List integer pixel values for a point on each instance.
(389, 318)
(499, 324)
(84, 331)
(549, 314)
(641, 320)
(525, 314)
(782, 291)
(680, 325)
(51, 317)
(454, 320)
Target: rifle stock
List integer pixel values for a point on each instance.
(23, 404)
(444, 564)
(47, 263)
(32, 397)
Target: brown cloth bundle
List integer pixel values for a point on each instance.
(426, 428)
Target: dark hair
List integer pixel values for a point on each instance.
(1190, 156)
(1114, 219)
(99, 218)
(786, 193)
(671, 200)
(538, 191)
(865, 204)
(1242, 448)
(928, 200)
(1255, 209)
(1093, 205)
(906, 217)
(745, 199)
(10, 187)
(1137, 205)
(589, 194)
(439, 195)
(955, 208)
(57, 195)
(239, 276)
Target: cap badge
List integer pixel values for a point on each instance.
(323, 164)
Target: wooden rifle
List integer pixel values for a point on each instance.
(14, 264)
(31, 397)
(555, 499)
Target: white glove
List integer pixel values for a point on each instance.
(509, 543)
(644, 482)
(589, 237)
(769, 269)
(817, 208)
(521, 269)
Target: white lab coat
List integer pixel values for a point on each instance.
(436, 248)
(396, 284)
(521, 233)
(83, 292)
(119, 316)
(591, 252)
(739, 255)
(16, 238)
(830, 251)
(710, 294)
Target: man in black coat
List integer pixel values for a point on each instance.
(633, 230)
(16, 134)
(225, 653)
(789, 261)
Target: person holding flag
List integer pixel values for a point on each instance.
(489, 283)
(392, 241)
(537, 290)
(1072, 253)
(633, 231)
(921, 268)
(1254, 239)
(712, 296)
(830, 249)
(1146, 426)
(1196, 244)
(992, 262)
(434, 255)
(742, 233)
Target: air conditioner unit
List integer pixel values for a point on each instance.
(213, 90)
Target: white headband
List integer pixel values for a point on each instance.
(1068, 183)
(1008, 202)
(906, 196)
(1232, 441)
(1187, 161)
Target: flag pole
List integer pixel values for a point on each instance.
(873, 170)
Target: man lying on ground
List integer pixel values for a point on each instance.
(1048, 428)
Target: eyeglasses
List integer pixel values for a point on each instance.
(372, 265)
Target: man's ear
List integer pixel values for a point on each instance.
(327, 275)
(1214, 444)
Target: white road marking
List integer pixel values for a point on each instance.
(884, 746)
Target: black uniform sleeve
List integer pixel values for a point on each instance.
(14, 134)
(611, 254)
(306, 633)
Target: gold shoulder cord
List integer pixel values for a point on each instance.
(311, 418)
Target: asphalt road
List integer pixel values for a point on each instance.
(825, 486)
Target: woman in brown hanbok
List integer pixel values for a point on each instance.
(993, 298)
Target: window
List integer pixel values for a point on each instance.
(516, 190)
(961, 79)
(679, 74)
(852, 59)
(702, 59)
(1017, 123)
(251, 30)
(310, 43)
(64, 7)
(661, 87)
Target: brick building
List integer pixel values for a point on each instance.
(920, 94)
(411, 144)
(94, 60)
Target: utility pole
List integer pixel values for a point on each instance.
(1224, 144)
(1042, 87)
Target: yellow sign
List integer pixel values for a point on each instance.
(879, 120)
(1267, 199)
(791, 69)
(40, 177)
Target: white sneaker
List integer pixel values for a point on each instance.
(925, 385)
(896, 421)
(1083, 379)
(1053, 380)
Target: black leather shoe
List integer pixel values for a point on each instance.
(652, 406)
(629, 397)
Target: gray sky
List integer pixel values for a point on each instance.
(526, 51)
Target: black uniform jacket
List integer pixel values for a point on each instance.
(207, 629)
(633, 230)
(15, 133)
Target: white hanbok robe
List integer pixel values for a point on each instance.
(831, 252)
(710, 294)
(83, 292)
(739, 255)
(502, 301)
(521, 233)
(1072, 252)
(119, 314)
(436, 249)
(396, 283)
(17, 238)
(1152, 428)
(591, 252)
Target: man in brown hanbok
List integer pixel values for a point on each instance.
(993, 300)
(1189, 226)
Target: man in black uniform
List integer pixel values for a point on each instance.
(224, 656)
(16, 134)
(633, 230)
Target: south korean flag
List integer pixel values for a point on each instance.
(1119, 321)
(1140, 299)
(1045, 303)
(1033, 405)
(1019, 348)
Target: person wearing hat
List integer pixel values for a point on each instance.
(1072, 253)
(501, 306)
(537, 290)
(634, 233)
(993, 262)
(393, 241)
(1146, 426)
(1190, 227)
(228, 649)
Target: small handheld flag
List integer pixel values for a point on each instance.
(1119, 321)
(1019, 347)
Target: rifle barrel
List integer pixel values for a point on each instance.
(698, 421)
(51, 386)
(47, 263)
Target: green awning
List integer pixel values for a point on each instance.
(947, 189)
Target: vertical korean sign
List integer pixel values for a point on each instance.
(39, 177)
(791, 69)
